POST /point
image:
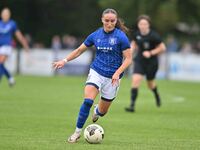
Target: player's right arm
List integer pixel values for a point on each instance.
(74, 54)
(89, 41)
(22, 39)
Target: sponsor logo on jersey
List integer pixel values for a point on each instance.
(6, 29)
(105, 49)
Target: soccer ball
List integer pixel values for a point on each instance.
(94, 133)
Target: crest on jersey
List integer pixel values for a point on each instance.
(146, 45)
(112, 41)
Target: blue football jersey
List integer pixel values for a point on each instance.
(7, 29)
(109, 48)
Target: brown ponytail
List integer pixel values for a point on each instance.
(120, 23)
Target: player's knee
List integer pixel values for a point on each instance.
(136, 84)
(90, 95)
(151, 85)
(90, 92)
(1, 61)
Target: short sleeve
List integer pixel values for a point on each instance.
(134, 34)
(14, 27)
(157, 38)
(124, 42)
(89, 41)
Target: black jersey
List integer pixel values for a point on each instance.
(146, 43)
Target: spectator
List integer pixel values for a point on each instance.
(186, 48)
(171, 44)
(56, 43)
(69, 42)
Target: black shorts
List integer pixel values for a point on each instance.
(147, 69)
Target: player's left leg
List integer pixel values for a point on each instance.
(108, 93)
(101, 109)
(153, 87)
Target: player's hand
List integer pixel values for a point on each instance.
(146, 54)
(27, 52)
(58, 64)
(115, 79)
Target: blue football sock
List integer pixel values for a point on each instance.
(84, 112)
(98, 113)
(6, 71)
(1, 71)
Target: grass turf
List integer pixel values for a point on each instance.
(39, 113)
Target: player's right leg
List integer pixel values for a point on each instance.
(151, 74)
(90, 93)
(153, 87)
(136, 81)
(2, 60)
(1, 72)
(5, 51)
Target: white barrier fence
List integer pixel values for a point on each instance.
(184, 67)
(39, 62)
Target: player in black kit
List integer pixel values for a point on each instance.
(149, 45)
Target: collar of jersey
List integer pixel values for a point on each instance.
(108, 32)
(4, 22)
(146, 34)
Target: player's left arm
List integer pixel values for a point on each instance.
(127, 54)
(22, 39)
(158, 50)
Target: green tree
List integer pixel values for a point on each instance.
(165, 14)
(45, 18)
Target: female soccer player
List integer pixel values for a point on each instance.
(8, 27)
(149, 46)
(113, 56)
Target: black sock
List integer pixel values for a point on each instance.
(134, 93)
(156, 94)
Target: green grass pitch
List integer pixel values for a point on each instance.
(39, 113)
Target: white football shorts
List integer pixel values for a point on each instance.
(108, 92)
(5, 50)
